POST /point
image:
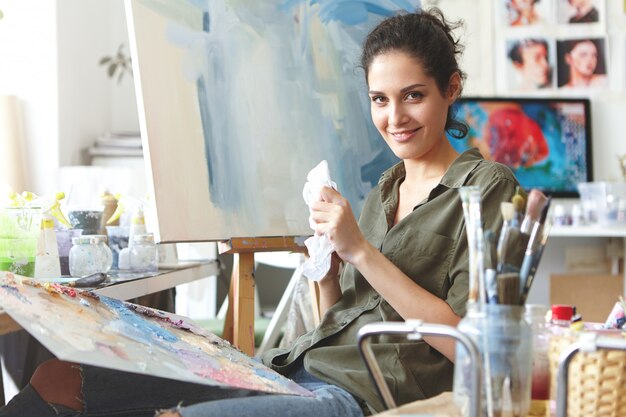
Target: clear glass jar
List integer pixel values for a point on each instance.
(504, 340)
(90, 254)
(143, 253)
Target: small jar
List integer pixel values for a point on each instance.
(144, 256)
(89, 255)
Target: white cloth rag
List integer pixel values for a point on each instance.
(319, 247)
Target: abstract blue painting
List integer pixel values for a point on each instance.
(240, 99)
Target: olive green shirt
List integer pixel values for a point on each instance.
(430, 246)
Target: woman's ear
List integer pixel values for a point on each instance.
(454, 87)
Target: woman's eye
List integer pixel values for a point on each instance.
(414, 95)
(378, 99)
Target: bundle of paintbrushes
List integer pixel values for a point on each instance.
(503, 263)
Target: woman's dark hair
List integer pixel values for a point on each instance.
(427, 37)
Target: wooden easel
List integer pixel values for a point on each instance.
(239, 322)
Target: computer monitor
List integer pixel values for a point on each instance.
(545, 141)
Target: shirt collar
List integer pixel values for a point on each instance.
(455, 176)
(463, 165)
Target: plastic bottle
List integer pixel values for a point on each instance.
(137, 226)
(138, 222)
(47, 263)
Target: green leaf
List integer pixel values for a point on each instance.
(1, 14)
(119, 78)
(112, 69)
(104, 60)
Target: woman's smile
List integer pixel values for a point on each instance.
(403, 135)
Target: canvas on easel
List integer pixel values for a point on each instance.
(238, 100)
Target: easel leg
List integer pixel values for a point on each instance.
(228, 333)
(243, 306)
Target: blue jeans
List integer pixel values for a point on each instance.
(119, 394)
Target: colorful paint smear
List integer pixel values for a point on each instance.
(83, 327)
(247, 97)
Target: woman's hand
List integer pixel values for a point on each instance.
(333, 216)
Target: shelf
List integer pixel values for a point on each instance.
(588, 231)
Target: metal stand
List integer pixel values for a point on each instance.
(588, 343)
(414, 330)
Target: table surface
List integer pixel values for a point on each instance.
(124, 286)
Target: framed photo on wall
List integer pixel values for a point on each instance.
(530, 63)
(545, 46)
(582, 63)
(575, 12)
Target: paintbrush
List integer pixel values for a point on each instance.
(508, 288)
(517, 240)
(535, 239)
(519, 206)
(528, 282)
(536, 202)
(513, 250)
(507, 210)
(490, 263)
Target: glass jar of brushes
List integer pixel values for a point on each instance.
(505, 340)
(89, 255)
(143, 254)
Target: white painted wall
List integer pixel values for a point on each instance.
(49, 59)
(84, 91)
(28, 70)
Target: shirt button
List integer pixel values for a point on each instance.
(376, 297)
(343, 323)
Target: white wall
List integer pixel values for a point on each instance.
(84, 90)
(28, 70)
(50, 52)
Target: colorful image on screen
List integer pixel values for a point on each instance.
(546, 142)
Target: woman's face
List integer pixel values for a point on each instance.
(407, 107)
(535, 66)
(583, 58)
(522, 5)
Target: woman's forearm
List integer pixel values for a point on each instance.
(330, 293)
